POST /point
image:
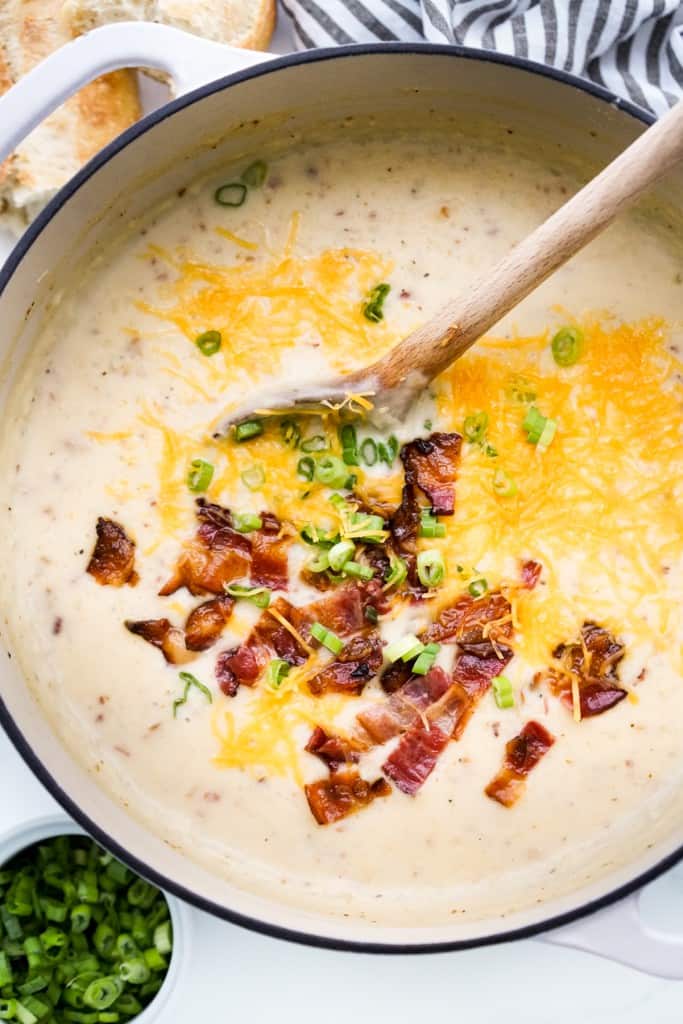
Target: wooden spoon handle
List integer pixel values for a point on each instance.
(435, 345)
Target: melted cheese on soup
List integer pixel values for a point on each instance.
(117, 401)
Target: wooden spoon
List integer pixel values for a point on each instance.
(393, 382)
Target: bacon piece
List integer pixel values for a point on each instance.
(342, 611)
(112, 562)
(168, 638)
(360, 659)
(216, 555)
(334, 751)
(530, 573)
(452, 711)
(342, 794)
(522, 753)
(206, 622)
(472, 620)
(405, 522)
(269, 554)
(592, 661)
(431, 463)
(394, 676)
(268, 639)
(415, 757)
(393, 716)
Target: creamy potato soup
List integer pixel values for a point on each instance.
(397, 675)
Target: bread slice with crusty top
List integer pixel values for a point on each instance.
(29, 31)
(245, 23)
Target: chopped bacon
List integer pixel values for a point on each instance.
(394, 676)
(112, 562)
(268, 639)
(530, 573)
(353, 667)
(343, 793)
(415, 757)
(269, 554)
(391, 717)
(430, 463)
(592, 661)
(472, 620)
(206, 622)
(405, 522)
(216, 555)
(342, 612)
(522, 753)
(168, 638)
(334, 751)
(452, 711)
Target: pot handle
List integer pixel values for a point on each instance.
(618, 933)
(188, 60)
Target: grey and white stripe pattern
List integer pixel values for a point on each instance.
(633, 47)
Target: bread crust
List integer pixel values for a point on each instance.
(29, 31)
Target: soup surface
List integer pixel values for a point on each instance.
(490, 691)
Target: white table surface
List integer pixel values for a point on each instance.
(236, 975)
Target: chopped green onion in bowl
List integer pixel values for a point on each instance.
(106, 957)
(246, 430)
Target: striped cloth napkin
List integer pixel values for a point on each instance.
(633, 47)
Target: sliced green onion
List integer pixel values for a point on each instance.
(23, 1014)
(255, 174)
(398, 570)
(362, 572)
(232, 194)
(135, 971)
(277, 669)
(404, 649)
(388, 452)
(372, 307)
(490, 451)
(326, 637)
(248, 429)
(478, 587)
(548, 433)
(362, 525)
(431, 568)
(503, 484)
(306, 468)
(5, 970)
(253, 477)
(566, 346)
(425, 660)
(313, 534)
(502, 691)
(199, 476)
(371, 615)
(349, 443)
(8, 1009)
(260, 596)
(209, 342)
(331, 471)
(190, 681)
(102, 992)
(162, 937)
(340, 553)
(154, 959)
(368, 452)
(430, 525)
(246, 522)
(291, 433)
(321, 562)
(317, 443)
(533, 423)
(474, 427)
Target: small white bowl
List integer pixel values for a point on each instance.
(31, 832)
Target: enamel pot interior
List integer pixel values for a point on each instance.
(294, 98)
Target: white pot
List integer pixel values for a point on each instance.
(223, 119)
